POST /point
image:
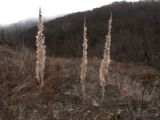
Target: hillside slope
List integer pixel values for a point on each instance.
(135, 33)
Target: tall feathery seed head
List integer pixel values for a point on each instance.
(41, 51)
(84, 58)
(104, 67)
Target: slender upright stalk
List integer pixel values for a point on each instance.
(84, 59)
(41, 51)
(104, 67)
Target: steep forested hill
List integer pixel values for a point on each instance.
(135, 33)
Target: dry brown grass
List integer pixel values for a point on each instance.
(19, 87)
(134, 71)
(61, 95)
(142, 72)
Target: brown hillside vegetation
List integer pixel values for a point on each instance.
(132, 91)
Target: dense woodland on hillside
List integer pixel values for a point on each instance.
(135, 33)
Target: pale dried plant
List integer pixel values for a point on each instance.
(41, 51)
(84, 59)
(104, 66)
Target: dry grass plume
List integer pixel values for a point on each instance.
(41, 52)
(84, 59)
(104, 67)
